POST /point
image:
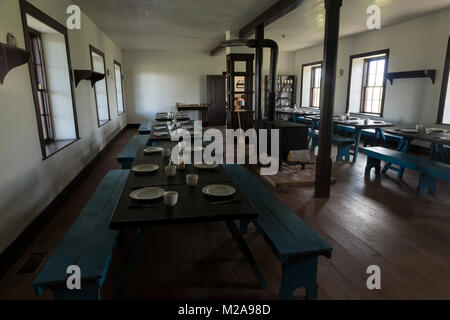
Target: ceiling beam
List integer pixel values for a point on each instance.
(275, 12)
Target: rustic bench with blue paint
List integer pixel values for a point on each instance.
(343, 144)
(88, 244)
(294, 243)
(430, 170)
(126, 157)
(145, 127)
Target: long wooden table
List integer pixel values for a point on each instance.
(358, 124)
(437, 141)
(193, 207)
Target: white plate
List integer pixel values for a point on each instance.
(219, 190)
(438, 130)
(150, 193)
(152, 149)
(410, 130)
(205, 166)
(145, 168)
(160, 128)
(445, 138)
(160, 134)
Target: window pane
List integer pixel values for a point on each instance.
(101, 93)
(118, 77)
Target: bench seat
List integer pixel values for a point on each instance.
(294, 243)
(145, 127)
(430, 170)
(126, 157)
(88, 244)
(343, 144)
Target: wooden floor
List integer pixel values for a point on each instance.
(367, 221)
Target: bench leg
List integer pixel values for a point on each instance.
(138, 242)
(426, 182)
(244, 225)
(297, 273)
(373, 163)
(314, 144)
(246, 252)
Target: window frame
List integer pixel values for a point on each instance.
(93, 49)
(443, 96)
(48, 149)
(117, 63)
(312, 87)
(386, 52)
(301, 80)
(48, 130)
(364, 85)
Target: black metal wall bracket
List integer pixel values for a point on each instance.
(11, 57)
(391, 76)
(87, 75)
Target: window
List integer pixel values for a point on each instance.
(444, 103)
(119, 87)
(100, 88)
(51, 79)
(37, 58)
(310, 85)
(316, 75)
(367, 82)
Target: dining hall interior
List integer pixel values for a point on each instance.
(100, 101)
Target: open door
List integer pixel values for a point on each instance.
(216, 100)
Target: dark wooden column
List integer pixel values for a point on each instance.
(324, 162)
(258, 73)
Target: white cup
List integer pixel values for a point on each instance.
(171, 170)
(419, 127)
(192, 180)
(166, 152)
(171, 198)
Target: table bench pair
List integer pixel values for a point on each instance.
(429, 170)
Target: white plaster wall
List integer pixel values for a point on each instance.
(414, 45)
(27, 183)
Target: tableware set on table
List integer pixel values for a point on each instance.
(145, 196)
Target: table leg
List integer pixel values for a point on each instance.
(131, 259)
(246, 252)
(358, 142)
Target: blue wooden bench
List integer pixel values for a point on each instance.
(126, 157)
(145, 127)
(88, 244)
(430, 170)
(343, 144)
(294, 243)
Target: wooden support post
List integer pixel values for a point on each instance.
(324, 162)
(258, 73)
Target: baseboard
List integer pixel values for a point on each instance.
(10, 256)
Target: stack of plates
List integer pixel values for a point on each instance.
(160, 134)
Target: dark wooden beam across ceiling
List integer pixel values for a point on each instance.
(272, 14)
(275, 12)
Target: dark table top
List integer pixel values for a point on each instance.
(432, 137)
(357, 122)
(193, 206)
